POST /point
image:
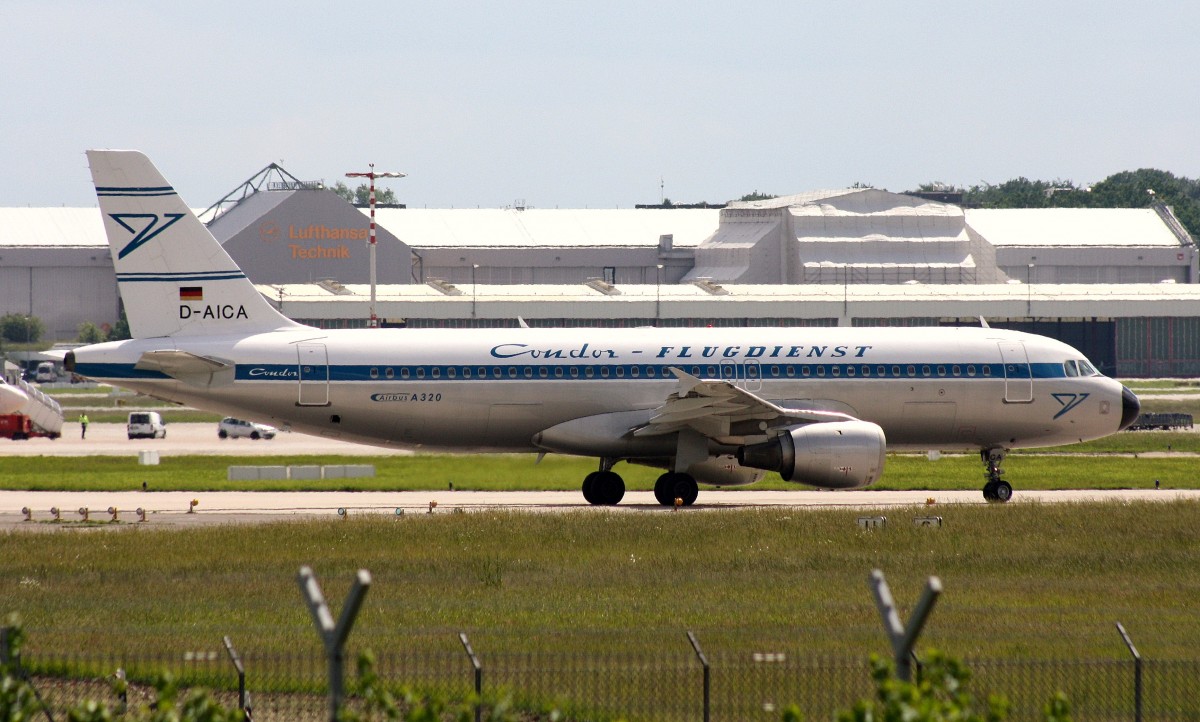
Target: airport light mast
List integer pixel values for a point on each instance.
(372, 175)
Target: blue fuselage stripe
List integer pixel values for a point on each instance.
(409, 373)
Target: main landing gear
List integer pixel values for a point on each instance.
(604, 487)
(676, 485)
(996, 489)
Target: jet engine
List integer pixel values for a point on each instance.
(835, 454)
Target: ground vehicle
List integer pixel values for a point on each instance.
(46, 372)
(19, 427)
(146, 425)
(236, 428)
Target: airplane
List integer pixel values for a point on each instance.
(718, 406)
(12, 398)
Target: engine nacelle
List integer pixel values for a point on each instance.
(835, 454)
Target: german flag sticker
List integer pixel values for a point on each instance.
(191, 293)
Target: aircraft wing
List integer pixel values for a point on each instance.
(720, 410)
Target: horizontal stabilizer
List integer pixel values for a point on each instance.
(188, 367)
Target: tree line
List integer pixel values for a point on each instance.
(1141, 188)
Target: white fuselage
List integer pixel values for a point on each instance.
(495, 389)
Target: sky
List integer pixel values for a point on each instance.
(596, 104)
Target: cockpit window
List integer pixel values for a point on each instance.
(1070, 368)
(1086, 369)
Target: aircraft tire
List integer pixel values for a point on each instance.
(989, 491)
(589, 488)
(1002, 491)
(664, 489)
(676, 485)
(611, 488)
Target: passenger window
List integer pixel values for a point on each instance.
(528, 372)
(604, 372)
(558, 372)
(436, 373)
(925, 370)
(420, 373)
(574, 372)
(912, 371)
(791, 371)
(866, 370)
(589, 372)
(495, 372)
(806, 371)
(956, 370)
(620, 372)
(896, 371)
(543, 372)
(512, 372)
(375, 372)
(820, 371)
(635, 371)
(466, 372)
(987, 370)
(941, 370)
(403, 373)
(971, 370)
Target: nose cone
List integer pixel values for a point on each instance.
(1130, 408)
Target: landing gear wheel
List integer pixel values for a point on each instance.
(996, 489)
(1002, 491)
(589, 488)
(676, 485)
(603, 488)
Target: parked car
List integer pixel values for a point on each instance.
(236, 428)
(146, 425)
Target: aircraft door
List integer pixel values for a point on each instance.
(313, 369)
(1018, 376)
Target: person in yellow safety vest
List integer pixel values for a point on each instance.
(83, 422)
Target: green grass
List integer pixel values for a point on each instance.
(1021, 581)
(516, 472)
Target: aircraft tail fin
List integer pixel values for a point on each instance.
(173, 275)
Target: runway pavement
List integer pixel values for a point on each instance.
(175, 509)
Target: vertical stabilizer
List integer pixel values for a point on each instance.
(174, 277)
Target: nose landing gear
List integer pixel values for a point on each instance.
(996, 488)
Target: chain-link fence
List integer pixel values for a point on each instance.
(691, 684)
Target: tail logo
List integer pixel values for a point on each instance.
(1068, 401)
(143, 226)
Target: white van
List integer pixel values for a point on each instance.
(146, 425)
(46, 373)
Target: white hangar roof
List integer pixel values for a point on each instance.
(1071, 227)
(51, 227)
(542, 227)
(907, 300)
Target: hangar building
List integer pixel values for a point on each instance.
(857, 256)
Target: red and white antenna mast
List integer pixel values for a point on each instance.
(372, 175)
